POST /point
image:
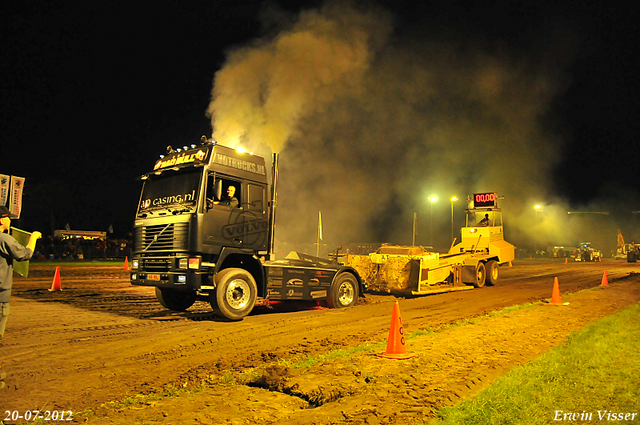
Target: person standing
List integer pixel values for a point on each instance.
(10, 250)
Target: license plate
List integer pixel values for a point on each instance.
(153, 277)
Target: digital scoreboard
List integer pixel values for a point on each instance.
(484, 200)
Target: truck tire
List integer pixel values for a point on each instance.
(480, 276)
(175, 300)
(586, 256)
(343, 291)
(631, 257)
(493, 272)
(236, 294)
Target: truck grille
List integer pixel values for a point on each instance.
(155, 265)
(162, 237)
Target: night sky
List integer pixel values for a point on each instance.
(92, 92)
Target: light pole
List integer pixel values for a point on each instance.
(453, 199)
(415, 219)
(432, 198)
(535, 237)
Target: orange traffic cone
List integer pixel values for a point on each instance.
(510, 265)
(566, 260)
(605, 281)
(55, 286)
(126, 263)
(555, 295)
(396, 346)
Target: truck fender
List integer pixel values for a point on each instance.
(243, 259)
(353, 271)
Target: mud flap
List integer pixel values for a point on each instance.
(468, 274)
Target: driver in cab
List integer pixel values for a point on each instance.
(230, 199)
(485, 221)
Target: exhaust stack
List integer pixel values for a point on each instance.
(272, 211)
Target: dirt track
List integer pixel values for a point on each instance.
(100, 340)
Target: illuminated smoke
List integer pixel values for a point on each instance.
(371, 121)
(265, 89)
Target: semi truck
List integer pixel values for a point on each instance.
(472, 263)
(205, 230)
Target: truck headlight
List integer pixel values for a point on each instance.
(183, 263)
(135, 264)
(182, 279)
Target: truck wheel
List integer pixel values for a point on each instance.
(343, 292)
(236, 294)
(481, 275)
(493, 272)
(175, 300)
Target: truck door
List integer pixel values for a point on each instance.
(224, 221)
(256, 222)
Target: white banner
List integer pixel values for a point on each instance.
(15, 200)
(4, 189)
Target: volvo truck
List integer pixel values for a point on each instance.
(205, 230)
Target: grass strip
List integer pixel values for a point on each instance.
(592, 378)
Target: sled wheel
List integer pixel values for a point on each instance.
(481, 275)
(493, 272)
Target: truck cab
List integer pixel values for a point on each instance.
(484, 232)
(187, 228)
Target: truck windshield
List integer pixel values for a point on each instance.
(172, 191)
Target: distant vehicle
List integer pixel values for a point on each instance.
(628, 251)
(622, 249)
(588, 253)
(633, 252)
(561, 251)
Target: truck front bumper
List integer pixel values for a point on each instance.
(182, 280)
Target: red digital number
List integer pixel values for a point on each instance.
(485, 199)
